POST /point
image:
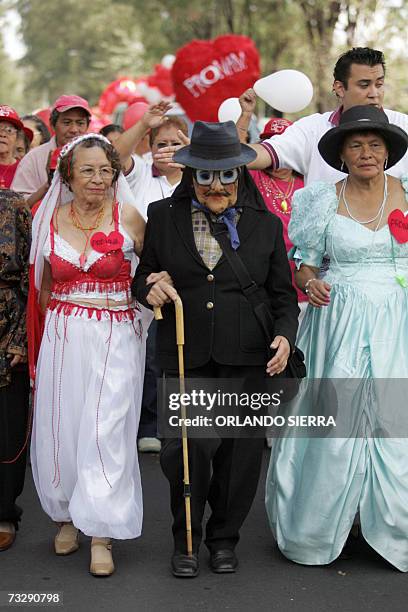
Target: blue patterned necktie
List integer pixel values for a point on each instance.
(227, 217)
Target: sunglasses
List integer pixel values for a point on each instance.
(207, 177)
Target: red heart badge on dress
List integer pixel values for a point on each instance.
(207, 72)
(398, 224)
(104, 243)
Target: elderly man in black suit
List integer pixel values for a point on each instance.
(223, 338)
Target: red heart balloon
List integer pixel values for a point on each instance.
(207, 72)
(398, 224)
(104, 243)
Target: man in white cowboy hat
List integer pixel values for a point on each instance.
(223, 338)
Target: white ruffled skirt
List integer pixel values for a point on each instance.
(87, 408)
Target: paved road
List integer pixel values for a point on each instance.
(142, 582)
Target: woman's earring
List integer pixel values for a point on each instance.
(386, 163)
(342, 165)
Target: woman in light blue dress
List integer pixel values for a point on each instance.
(355, 333)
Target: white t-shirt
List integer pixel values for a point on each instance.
(297, 148)
(147, 184)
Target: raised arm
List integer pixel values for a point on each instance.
(248, 103)
(128, 141)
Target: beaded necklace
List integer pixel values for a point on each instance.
(86, 230)
(378, 216)
(272, 191)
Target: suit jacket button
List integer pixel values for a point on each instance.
(210, 305)
(210, 278)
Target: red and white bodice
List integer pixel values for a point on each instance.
(105, 273)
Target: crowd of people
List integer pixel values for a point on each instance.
(272, 247)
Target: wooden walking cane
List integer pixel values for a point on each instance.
(186, 479)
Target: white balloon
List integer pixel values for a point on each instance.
(153, 95)
(289, 91)
(168, 60)
(229, 110)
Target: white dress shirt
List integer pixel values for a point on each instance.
(147, 184)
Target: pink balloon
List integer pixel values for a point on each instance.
(133, 114)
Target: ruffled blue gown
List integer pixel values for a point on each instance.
(315, 486)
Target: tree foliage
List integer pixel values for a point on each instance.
(9, 78)
(76, 46)
(79, 46)
(303, 34)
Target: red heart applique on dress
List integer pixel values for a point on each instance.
(398, 224)
(206, 72)
(104, 243)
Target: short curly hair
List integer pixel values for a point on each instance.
(66, 163)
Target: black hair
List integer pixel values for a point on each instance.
(21, 134)
(40, 125)
(55, 116)
(112, 127)
(356, 55)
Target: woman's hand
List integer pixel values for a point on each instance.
(318, 292)
(161, 293)
(16, 359)
(165, 155)
(155, 115)
(158, 276)
(278, 362)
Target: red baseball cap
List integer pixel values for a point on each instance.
(9, 114)
(275, 126)
(66, 103)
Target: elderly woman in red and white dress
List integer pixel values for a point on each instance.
(86, 235)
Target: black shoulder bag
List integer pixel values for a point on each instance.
(259, 300)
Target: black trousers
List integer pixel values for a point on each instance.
(14, 409)
(223, 471)
(148, 415)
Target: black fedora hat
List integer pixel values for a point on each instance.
(214, 146)
(363, 119)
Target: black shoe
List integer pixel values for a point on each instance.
(183, 566)
(349, 547)
(223, 561)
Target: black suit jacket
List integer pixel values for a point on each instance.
(218, 320)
